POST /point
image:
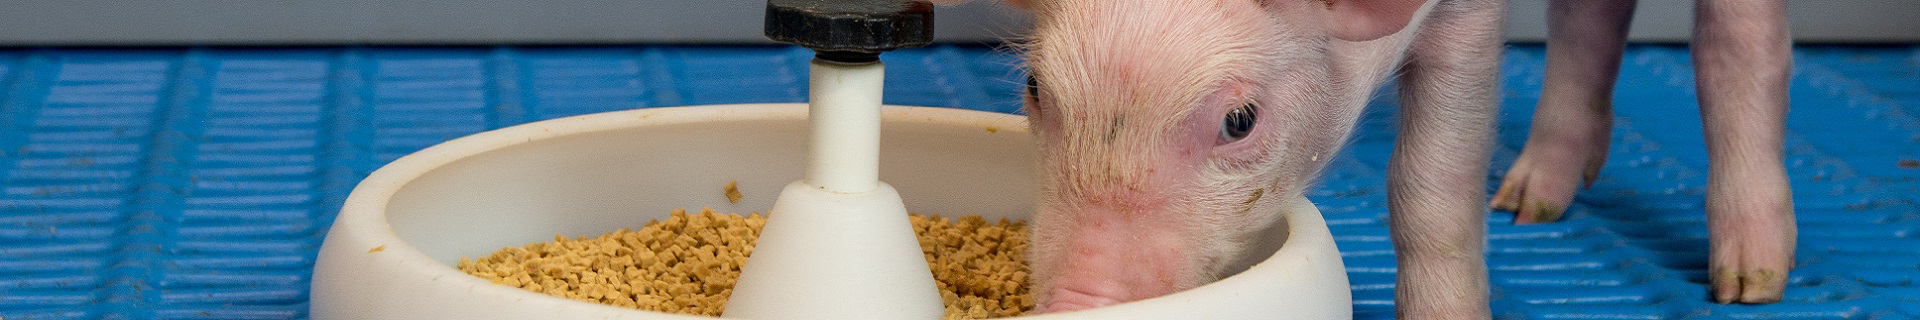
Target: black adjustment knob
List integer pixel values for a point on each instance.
(851, 30)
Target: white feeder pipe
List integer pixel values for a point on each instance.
(845, 116)
(838, 245)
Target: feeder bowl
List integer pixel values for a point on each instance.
(391, 251)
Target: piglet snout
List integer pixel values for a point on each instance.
(1104, 256)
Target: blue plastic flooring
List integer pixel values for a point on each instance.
(198, 182)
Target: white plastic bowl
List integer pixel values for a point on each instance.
(391, 251)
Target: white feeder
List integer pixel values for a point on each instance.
(391, 251)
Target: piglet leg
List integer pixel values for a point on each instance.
(1438, 227)
(1743, 57)
(1568, 141)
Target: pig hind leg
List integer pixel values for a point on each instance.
(1568, 141)
(1742, 57)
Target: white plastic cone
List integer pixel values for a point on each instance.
(838, 245)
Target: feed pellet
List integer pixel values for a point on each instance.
(687, 264)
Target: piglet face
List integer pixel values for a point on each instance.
(1170, 131)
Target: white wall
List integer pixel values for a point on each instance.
(107, 22)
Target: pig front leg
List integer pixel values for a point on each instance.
(1568, 141)
(1742, 59)
(1439, 227)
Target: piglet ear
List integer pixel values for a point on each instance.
(1363, 20)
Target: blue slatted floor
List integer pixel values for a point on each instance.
(197, 183)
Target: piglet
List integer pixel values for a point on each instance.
(1742, 58)
(1170, 131)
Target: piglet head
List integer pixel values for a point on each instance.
(1171, 130)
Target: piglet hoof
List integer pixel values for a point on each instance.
(1556, 163)
(1750, 217)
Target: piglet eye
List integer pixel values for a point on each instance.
(1033, 88)
(1238, 123)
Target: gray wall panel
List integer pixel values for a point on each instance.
(99, 22)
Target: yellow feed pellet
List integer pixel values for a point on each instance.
(688, 264)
